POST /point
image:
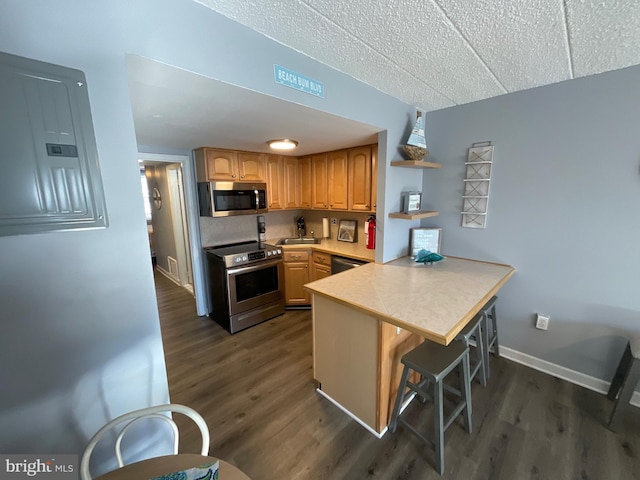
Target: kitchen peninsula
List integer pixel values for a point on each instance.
(365, 319)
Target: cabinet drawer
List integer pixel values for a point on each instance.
(296, 256)
(321, 258)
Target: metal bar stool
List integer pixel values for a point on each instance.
(434, 362)
(624, 381)
(474, 331)
(490, 332)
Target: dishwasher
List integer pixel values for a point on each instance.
(340, 264)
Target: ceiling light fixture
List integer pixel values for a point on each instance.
(282, 144)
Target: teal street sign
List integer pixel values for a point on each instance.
(296, 80)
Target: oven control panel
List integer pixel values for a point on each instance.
(255, 257)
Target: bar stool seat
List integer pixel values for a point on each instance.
(434, 362)
(473, 331)
(624, 381)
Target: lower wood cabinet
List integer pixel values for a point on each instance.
(296, 275)
(320, 265)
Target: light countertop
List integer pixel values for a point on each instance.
(333, 247)
(434, 301)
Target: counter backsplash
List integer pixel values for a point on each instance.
(280, 224)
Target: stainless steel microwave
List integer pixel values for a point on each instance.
(223, 199)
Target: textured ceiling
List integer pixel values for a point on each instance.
(434, 54)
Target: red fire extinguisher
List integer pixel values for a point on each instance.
(370, 232)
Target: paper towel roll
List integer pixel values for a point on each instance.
(325, 228)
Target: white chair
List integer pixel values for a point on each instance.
(133, 418)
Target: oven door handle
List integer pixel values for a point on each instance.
(255, 266)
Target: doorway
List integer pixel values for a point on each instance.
(174, 233)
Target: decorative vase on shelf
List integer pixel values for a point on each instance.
(416, 146)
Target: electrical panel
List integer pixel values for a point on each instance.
(50, 176)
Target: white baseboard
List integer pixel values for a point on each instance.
(573, 376)
(168, 275)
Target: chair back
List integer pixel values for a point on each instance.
(131, 418)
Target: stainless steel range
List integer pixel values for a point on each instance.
(246, 283)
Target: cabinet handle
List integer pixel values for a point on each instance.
(233, 176)
(241, 176)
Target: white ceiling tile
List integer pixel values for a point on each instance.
(437, 53)
(604, 35)
(523, 43)
(418, 38)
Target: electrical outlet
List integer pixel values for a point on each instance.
(334, 221)
(542, 322)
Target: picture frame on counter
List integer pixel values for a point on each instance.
(427, 238)
(347, 231)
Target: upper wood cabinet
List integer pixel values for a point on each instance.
(338, 181)
(291, 182)
(319, 170)
(275, 182)
(251, 167)
(360, 186)
(374, 177)
(229, 165)
(305, 175)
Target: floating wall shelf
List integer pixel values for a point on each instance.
(415, 164)
(415, 215)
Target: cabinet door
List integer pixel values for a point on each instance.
(360, 179)
(296, 275)
(221, 165)
(291, 183)
(251, 167)
(338, 180)
(374, 177)
(305, 174)
(319, 185)
(275, 182)
(319, 271)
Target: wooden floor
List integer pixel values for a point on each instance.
(255, 390)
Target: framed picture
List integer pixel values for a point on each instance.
(347, 231)
(427, 238)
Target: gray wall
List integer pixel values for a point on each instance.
(80, 339)
(164, 242)
(563, 210)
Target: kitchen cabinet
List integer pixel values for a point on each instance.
(291, 182)
(374, 177)
(275, 182)
(338, 180)
(296, 275)
(305, 175)
(320, 265)
(229, 165)
(319, 192)
(360, 179)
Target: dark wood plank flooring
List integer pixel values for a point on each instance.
(256, 391)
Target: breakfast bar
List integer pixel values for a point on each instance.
(365, 319)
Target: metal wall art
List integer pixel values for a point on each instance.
(475, 199)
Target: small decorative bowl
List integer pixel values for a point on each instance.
(415, 153)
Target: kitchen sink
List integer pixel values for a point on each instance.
(298, 241)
